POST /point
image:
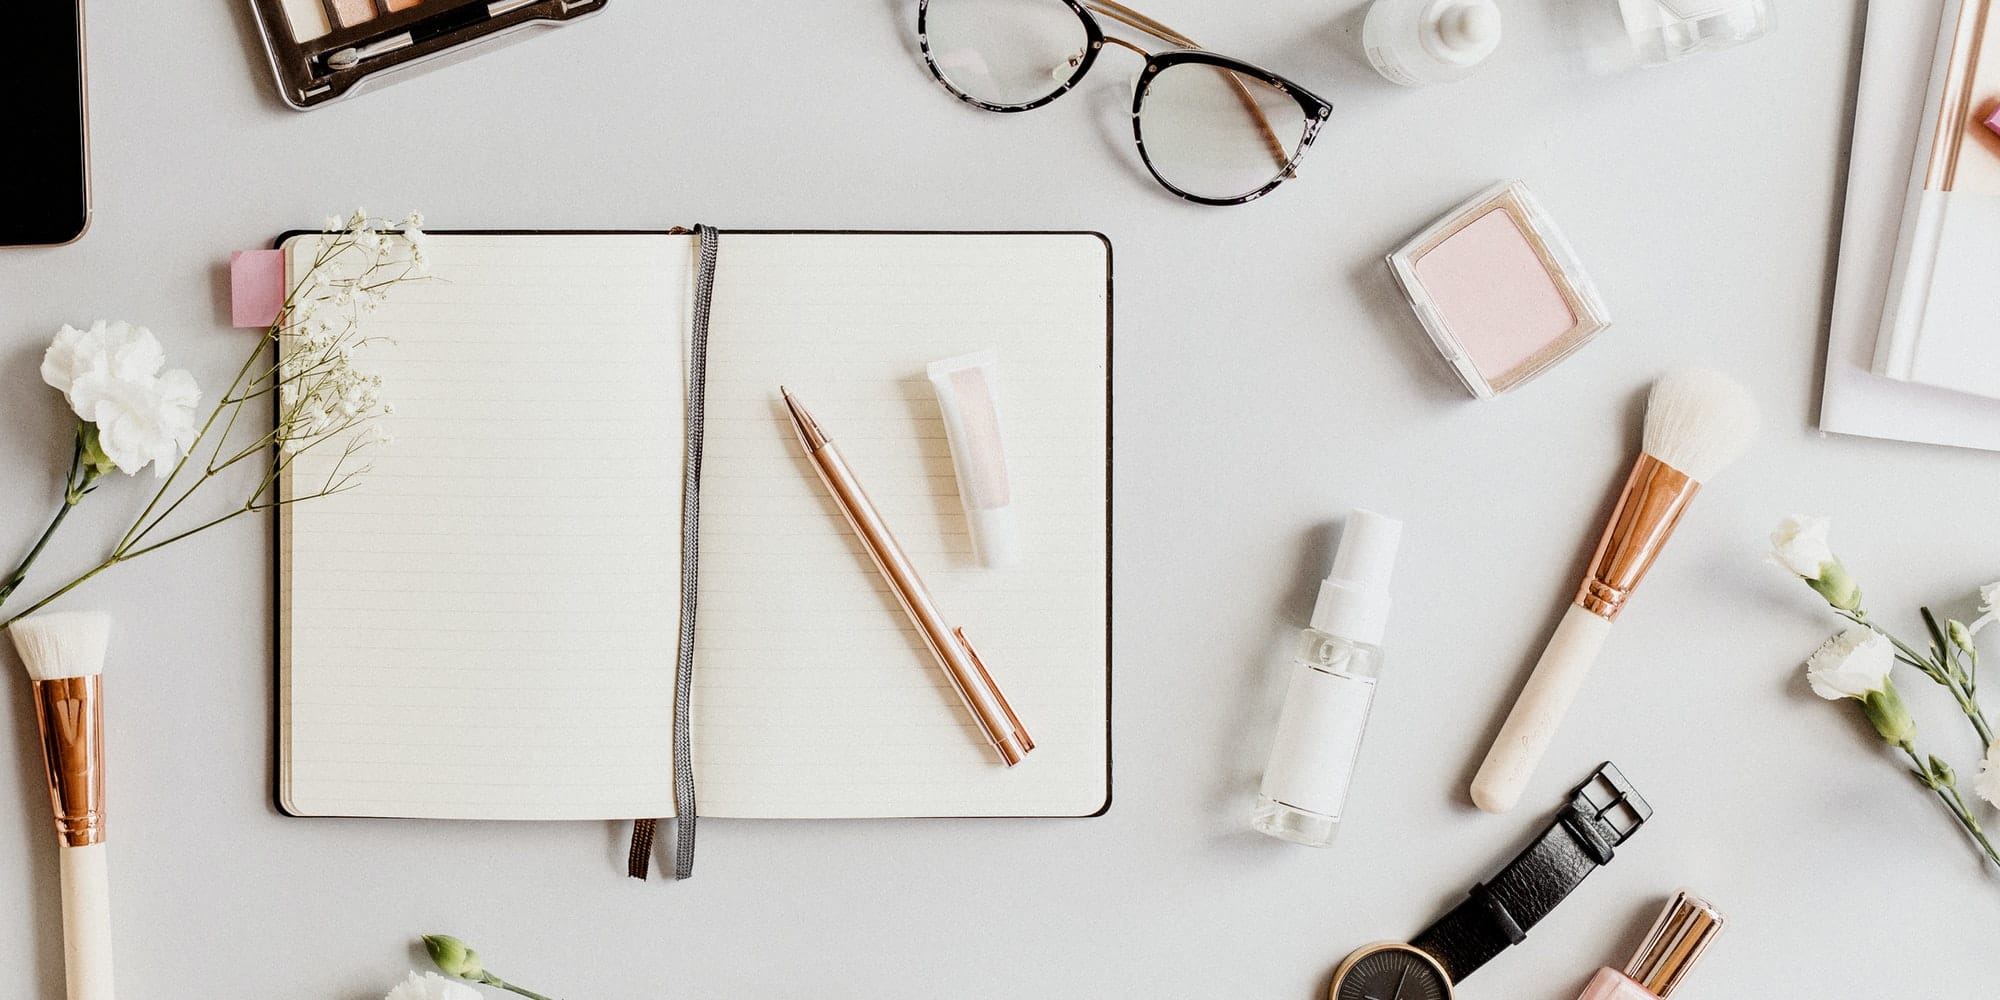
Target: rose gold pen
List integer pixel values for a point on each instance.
(953, 651)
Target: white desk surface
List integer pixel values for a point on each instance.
(1267, 379)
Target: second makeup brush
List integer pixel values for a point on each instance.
(1697, 422)
(64, 654)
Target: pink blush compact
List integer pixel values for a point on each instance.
(1499, 290)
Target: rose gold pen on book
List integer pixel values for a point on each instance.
(954, 653)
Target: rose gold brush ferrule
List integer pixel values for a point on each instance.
(1655, 497)
(71, 713)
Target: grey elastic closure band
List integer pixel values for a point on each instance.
(639, 861)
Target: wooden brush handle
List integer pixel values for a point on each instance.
(86, 903)
(1539, 710)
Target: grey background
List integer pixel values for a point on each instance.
(1267, 380)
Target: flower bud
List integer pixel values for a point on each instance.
(1942, 771)
(1890, 717)
(453, 958)
(1960, 635)
(1838, 586)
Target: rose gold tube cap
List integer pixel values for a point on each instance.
(1684, 931)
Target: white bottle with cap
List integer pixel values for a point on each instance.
(1333, 686)
(1416, 42)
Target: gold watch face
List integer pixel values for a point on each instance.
(1390, 972)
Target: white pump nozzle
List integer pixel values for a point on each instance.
(1354, 600)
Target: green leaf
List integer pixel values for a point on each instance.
(1940, 646)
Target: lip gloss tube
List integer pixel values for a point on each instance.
(1684, 931)
(968, 394)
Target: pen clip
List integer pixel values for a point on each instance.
(1019, 733)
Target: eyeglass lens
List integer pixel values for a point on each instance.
(1216, 133)
(1005, 53)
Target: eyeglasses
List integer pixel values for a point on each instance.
(1211, 129)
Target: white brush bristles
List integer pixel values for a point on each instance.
(1699, 421)
(62, 643)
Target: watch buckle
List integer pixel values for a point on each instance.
(1614, 807)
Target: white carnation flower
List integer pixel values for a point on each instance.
(1800, 545)
(120, 350)
(1989, 606)
(1853, 664)
(1987, 783)
(110, 374)
(431, 986)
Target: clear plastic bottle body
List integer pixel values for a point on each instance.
(1319, 738)
(1664, 31)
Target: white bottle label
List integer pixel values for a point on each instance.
(1391, 68)
(1319, 737)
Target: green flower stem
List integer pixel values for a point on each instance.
(66, 588)
(1973, 712)
(75, 485)
(1916, 659)
(1947, 793)
(498, 983)
(1971, 822)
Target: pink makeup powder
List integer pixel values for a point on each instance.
(1499, 290)
(1496, 295)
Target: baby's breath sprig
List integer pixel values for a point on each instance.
(324, 397)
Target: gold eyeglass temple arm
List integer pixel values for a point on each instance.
(1120, 12)
(1132, 18)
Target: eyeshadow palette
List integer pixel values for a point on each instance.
(322, 49)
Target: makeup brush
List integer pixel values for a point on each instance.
(1697, 422)
(64, 653)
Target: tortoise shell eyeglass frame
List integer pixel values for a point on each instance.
(1315, 108)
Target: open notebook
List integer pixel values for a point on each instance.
(486, 628)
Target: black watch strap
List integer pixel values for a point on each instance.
(1601, 814)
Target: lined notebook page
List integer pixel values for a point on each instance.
(486, 627)
(814, 695)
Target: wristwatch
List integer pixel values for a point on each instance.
(1601, 814)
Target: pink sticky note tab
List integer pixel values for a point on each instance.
(256, 287)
